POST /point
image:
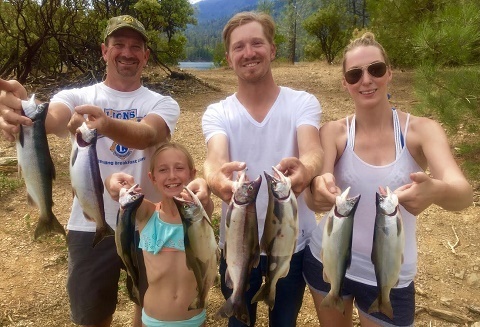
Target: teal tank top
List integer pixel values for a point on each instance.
(158, 234)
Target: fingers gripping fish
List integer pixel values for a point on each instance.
(201, 248)
(280, 233)
(36, 167)
(387, 250)
(336, 252)
(86, 181)
(242, 250)
(125, 242)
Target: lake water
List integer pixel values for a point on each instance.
(201, 65)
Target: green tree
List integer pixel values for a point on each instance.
(447, 46)
(330, 25)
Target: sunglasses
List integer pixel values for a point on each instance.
(377, 69)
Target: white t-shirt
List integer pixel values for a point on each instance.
(262, 145)
(114, 157)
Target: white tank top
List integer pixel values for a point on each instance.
(364, 179)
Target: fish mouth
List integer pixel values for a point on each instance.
(279, 184)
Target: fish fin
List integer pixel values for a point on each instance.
(30, 201)
(226, 310)
(101, 233)
(263, 294)
(325, 277)
(228, 280)
(197, 303)
(48, 225)
(241, 313)
(74, 156)
(329, 225)
(399, 225)
(374, 306)
(333, 301)
(256, 256)
(260, 295)
(386, 309)
(21, 136)
(87, 217)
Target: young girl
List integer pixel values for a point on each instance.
(378, 146)
(171, 285)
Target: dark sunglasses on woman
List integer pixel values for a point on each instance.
(377, 69)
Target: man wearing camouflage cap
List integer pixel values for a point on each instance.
(131, 121)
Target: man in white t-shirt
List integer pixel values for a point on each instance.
(260, 126)
(131, 121)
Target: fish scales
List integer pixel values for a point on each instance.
(125, 241)
(280, 233)
(242, 249)
(86, 180)
(201, 248)
(336, 252)
(36, 167)
(387, 250)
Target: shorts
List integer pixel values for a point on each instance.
(289, 295)
(402, 299)
(93, 274)
(195, 321)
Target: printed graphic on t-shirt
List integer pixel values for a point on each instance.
(119, 150)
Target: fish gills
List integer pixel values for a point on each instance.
(86, 181)
(280, 233)
(36, 167)
(201, 248)
(129, 200)
(242, 250)
(387, 250)
(336, 252)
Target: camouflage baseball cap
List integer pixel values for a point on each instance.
(125, 21)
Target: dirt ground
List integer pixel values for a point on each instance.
(33, 273)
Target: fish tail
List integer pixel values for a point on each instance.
(333, 301)
(386, 309)
(49, 224)
(241, 313)
(226, 310)
(197, 303)
(101, 233)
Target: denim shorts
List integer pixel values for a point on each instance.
(93, 274)
(289, 296)
(402, 299)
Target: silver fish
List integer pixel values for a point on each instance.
(36, 167)
(201, 248)
(336, 252)
(129, 201)
(387, 250)
(279, 238)
(86, 181)
(242, 250)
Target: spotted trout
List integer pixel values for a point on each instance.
(201, 248)
(280, 233)
(86, 181)
(241, 250)
(336, 252)
(125, 241)
(387, 250)
(36, 167)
